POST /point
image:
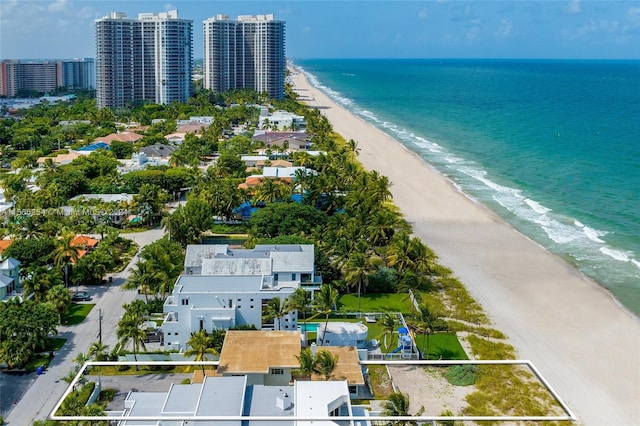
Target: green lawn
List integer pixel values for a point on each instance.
(378, 302)
(441, 346)
(76, 313)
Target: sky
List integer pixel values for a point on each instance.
(571, 29)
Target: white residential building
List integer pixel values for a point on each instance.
(281, 120)
(143, 59)
(246, 53)
(223, 287)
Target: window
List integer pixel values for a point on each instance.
(275, 277)
(251, 307)
(185, 301)
(251, 300)
(277, 371)
(353, 389)
(293, 277)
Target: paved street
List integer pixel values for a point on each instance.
(47, 388)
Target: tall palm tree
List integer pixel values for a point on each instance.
(300, 300)
(398, 406)
(64, 253)
(59, 299)
(144, 278)
(326, 363)
(324, 302)
(129, 329)
(276, 309)
(389, 322)
(200, 344)
(426, 318)
(358, 268)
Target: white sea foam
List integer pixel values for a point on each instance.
(622, 256)
(594, 234)
(570, 236)
(537, 207)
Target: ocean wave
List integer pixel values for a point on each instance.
(564, 235)
(622, 256)
(537, 207)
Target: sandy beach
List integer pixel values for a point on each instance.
(574, 332)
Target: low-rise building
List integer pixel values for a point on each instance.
(223, 287)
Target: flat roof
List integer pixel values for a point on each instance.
(255, 351)
(261, 400)
(222, 396)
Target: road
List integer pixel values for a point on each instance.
(38, 402)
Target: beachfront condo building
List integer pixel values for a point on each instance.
(19, 77)
(246, 53)
(147, 59)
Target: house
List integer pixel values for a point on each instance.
(223, 287)
(84, 243)
(284, 173)
(269, 363)
(9, 277)
(60, 158)
(235, 396)
(297, 141)
(158, 152)
(191, 127)
(280, 120)
(93, 147)
(4, 244)
(121, 137)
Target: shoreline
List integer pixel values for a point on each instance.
(576, 333)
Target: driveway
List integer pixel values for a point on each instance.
(38, 401)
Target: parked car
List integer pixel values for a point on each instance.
(80, 296)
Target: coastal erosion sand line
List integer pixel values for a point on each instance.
(567, 325)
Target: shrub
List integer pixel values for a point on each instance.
(462, 375)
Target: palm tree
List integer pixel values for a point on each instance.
(326, 363)
(358, 268)
(276, 309)
(389, 322)
(65, 252)
(324, 302)
(200, 344)
(98, 350)
(398, 406)
(307, 363)
(59, 299)
(426, 318)
(40, 280)
(299, 300)
(129, 329)
(143, 278)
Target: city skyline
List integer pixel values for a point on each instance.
(33, 29)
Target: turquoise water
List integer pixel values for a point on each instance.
(310, 327)
(553, 147)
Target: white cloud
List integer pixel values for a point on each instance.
(423, 14)
(473, 34)
(573, 8)
(504, 29)
(58, 6)
(633, 15)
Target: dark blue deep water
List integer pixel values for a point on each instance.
(553, 147)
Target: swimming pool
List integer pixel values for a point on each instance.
(310, 327)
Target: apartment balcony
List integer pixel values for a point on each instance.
(171, 301)
(172, 317)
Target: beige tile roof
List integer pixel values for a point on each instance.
(348, 367)
(256, 351)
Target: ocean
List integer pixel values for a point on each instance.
(553, 147)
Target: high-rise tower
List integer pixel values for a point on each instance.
(143, 59)
(246, 53)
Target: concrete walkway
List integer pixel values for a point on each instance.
(38, 402)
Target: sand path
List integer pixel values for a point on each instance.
(573, 331)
